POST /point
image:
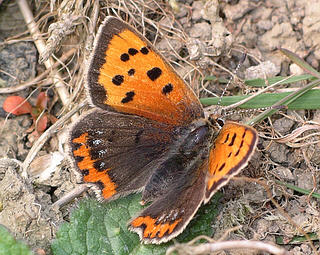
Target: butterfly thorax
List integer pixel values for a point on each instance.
(195, 140)
(191, 147)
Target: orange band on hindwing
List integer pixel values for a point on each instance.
(153, 229)
(86, 165)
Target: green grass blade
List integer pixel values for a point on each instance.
(300, 190)
(309, 100)
(257, 83)
(296, 239)
(300, 62)
(286, 102)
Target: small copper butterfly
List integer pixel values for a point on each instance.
(147, 132)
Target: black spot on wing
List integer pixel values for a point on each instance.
(131, 72)
(233, 139)
(132, 51)
(167, 89)
(222, 166)
(118, 80)
(144, 50)
(78, 158)
(128, 98)
(100, 185)
(227, 138)
(75, 146)
(239, 149)
(100, 165)
(124, 57)
(85, 172)
(154, 73)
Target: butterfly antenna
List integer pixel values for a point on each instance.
(243, 58)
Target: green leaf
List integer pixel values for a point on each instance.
(215, 78)
(9, 246)
(101, 228)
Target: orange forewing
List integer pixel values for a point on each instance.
(230, 153)
(137, 80)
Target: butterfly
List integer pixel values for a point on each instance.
(147, 133)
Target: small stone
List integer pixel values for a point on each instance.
(263, 70)
(304, 179)
(234, 12)
(274, 228)
(182, 12)
(311, 27)
(281, 35)
(277, 152)
(19, 60)
(283, 125)
(262, 13)
(196, 48)
(257, 196)
(264, 25)
(221, 38)
(296, 70)
(311, 59)
(167, 45)
(26, 122)
(261, 229)
(201, 30)
(211, 10)
(306, 249)
(197, 7)
(284, 173)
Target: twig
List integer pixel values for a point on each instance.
(227, 245)
(71, 195)
(6, 162)
(294, 134)
(41, 47)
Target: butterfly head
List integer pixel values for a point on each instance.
(216, 121)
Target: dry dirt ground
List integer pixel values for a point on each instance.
(196, 36)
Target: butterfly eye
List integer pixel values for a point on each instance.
(220, 122)
(216, 121)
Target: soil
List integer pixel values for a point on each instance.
(206, 34)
